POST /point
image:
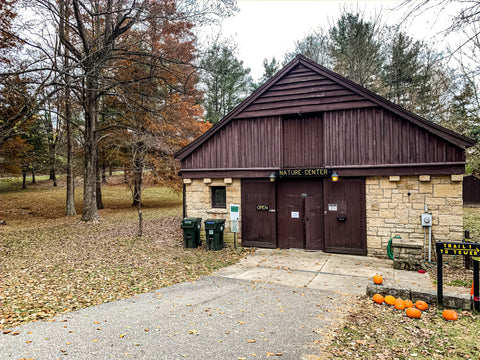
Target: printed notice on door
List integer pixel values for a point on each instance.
(295, 214)
(332, 207)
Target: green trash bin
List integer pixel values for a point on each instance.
(214, 231)
(191, 232)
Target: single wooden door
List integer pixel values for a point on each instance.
(258, 213)
(345, 216)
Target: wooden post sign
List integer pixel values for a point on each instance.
(458, 248)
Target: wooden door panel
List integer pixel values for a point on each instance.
(258, 213)
(314, 223)
(345, 219)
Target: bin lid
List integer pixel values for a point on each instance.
(215, 221)
(189, 220)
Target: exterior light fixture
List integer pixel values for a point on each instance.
(334, 176)
(272, 177)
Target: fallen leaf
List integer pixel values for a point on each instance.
(251, 341)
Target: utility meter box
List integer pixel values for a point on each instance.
(427, 219)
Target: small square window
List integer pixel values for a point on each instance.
(219, 197)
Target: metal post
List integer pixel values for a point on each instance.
(467, 259)
(429, 244)
(476, 290)
(439, 280)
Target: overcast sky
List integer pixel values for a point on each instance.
(268, 28)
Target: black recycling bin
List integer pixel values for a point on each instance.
(191, 232)
(214, 231)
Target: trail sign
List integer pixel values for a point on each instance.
(458, 248)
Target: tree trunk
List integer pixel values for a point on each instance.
(137, 189)
(99, 189)
(70, 201)
(104, 173)
(90, 212)
(53, 177)
(140, 216)
(24, 176)
(137, 192)
(33, 176)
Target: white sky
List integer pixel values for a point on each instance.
(267, 28)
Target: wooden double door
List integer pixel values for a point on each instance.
(313, 214)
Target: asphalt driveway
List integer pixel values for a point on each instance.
(212, 318)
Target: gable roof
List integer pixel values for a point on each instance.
(374, 99)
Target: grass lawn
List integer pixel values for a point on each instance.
(51, 263)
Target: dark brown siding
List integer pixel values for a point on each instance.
(471, 190)
(376, 137)
(248, 143)
(303, 142)
(302, 91)
(344, 138)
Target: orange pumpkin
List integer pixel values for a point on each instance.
(390, 300)
(399, 304)
(378, 298)
(450, 315)
(421, 305)
(408, 303)
(413, 313)
(378, 279)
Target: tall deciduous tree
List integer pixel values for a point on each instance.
(315, 46)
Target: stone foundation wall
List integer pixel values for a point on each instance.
(395, 204)
(198, 200)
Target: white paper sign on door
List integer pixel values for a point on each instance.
(332, 207)
(295, 215)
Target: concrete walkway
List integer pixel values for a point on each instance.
(318, 270)
(273, 304)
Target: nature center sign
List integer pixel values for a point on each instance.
(310, 172)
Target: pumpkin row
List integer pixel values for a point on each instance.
(413, 311)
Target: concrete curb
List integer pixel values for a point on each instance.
(455, 301)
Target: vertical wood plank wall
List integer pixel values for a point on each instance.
(364, 136)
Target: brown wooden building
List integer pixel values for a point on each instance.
(275, 154)
(471, 190)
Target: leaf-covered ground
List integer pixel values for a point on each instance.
(52, 264)
(373, 331)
